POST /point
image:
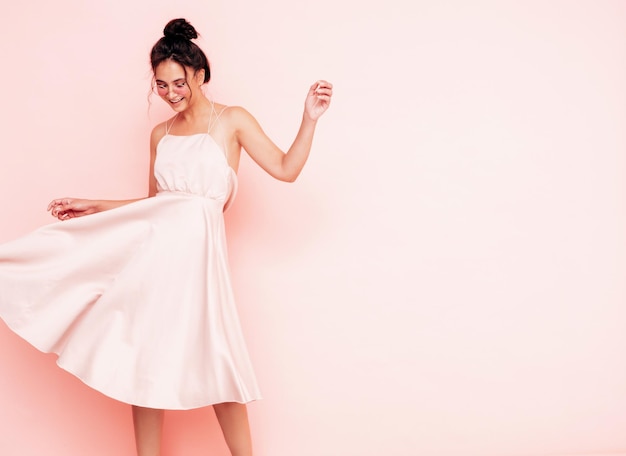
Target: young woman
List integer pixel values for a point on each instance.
(136, 298)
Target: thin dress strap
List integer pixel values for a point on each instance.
(215, 121)
(169, 127)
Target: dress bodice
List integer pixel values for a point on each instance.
(196, 165)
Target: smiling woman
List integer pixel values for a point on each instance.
(158, 264)
(176, 50)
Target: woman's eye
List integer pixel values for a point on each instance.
(161, 86)
(181, 85)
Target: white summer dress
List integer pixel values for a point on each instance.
(137, 301)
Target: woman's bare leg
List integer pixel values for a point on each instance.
(233, 419)
(148, 425)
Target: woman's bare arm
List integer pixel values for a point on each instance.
(283, 166)
(67, 208)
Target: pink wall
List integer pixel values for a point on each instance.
(445, 278)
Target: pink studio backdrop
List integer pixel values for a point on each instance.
(445, 278)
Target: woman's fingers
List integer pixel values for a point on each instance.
(61, 208)
(58, 202)
(323, 84)
(323, 90)
(321, 87)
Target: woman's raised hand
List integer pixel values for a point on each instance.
(67, 208)
(318, 99)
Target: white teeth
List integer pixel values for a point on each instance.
(176, 101)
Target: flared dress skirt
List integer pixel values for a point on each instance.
(137, 301)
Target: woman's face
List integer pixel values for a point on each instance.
(174, 86)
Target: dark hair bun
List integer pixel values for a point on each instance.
(181, 29)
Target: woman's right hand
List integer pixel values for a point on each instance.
(67, 208)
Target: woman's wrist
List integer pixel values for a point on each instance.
(308, 120)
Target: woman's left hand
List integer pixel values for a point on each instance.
(318, 99)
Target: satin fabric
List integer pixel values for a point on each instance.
(137, 301)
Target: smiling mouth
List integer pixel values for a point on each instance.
(177, 100)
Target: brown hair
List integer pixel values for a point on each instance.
(176, 45)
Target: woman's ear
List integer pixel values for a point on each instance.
(199, 77)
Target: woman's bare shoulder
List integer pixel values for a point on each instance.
(237, 116)
(159, 131)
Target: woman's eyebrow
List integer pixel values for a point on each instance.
(174, 81)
